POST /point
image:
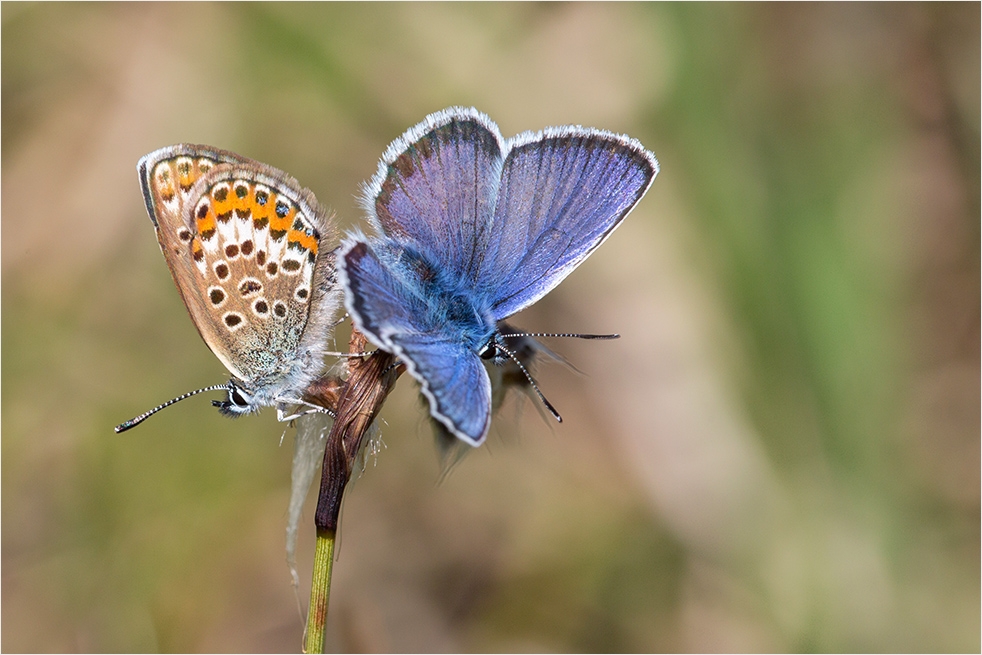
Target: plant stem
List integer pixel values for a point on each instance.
(356, 404)
(320, 592)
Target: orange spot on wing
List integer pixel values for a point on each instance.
(163, 181)
(186, 174)
(222, 206)
(282, 224)
(306, 241)
(207, 224)
(244, 203)
(260, 212)
(166, 190)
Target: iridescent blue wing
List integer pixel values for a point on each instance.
(562, 192)
(379, 301)
(389, 308)
(435, 189)
(472, 230)
(453, 379)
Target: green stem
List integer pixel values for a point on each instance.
(320, 592)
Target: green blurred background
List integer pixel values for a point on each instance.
(780, 453)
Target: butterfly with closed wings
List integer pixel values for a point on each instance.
(250, 253)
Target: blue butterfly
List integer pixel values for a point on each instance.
(472, 228)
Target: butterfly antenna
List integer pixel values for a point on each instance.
(562, 334)
(514, 358)
(133, 422)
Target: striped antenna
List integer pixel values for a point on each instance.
(564, 334)
(133, 422)
(514, 358)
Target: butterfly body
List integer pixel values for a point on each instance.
(441, 301)
(470, 229)
(250, 253)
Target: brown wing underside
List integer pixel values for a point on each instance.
(248, 250)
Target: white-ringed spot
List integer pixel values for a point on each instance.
(162, 173)
(220, 191)
(250, 286)
(233, 320)
(201, 209)
(217, 296)
(221, 269)
(279, 309)
(291, 266)
(302, 294)
(261, 308)
(183, 165)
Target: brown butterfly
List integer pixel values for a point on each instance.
(251, 254)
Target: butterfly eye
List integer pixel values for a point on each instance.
(238, 402)
(488, 350)
(238, 398)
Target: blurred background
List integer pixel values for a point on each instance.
(781, 453)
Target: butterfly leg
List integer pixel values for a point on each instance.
(283, 417)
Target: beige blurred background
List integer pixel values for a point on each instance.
(780, 453)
